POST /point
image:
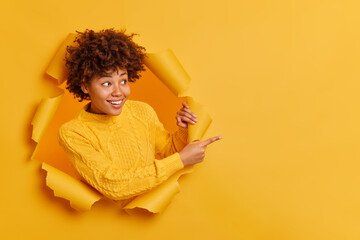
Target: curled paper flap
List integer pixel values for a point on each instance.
(160, 197)
(56, 68)
(197, 131)
(43, 116)
(169, 70)
(80, 195)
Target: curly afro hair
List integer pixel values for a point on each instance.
(95, 53)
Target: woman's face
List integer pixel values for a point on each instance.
(108, 92)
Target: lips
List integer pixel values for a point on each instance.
(115, 102)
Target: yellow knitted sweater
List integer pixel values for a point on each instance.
(116, 154)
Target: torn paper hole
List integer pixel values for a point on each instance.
(82, 196)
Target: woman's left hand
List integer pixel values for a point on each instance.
(185, 116)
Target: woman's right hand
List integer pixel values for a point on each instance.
(194, 152)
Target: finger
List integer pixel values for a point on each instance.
(178, 119)
(185, 105)
(186, 119)
(183, 125)
(189, 111)
(188, 115)
(180, 123)
(211, 140)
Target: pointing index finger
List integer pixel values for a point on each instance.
(211, 140)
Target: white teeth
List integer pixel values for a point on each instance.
(116, 102)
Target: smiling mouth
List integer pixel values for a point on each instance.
(116, 102)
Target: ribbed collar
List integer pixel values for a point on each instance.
(101, 118)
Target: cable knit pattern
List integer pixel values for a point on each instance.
(116, 154)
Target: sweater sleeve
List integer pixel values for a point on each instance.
(167, 143)
(110, 180)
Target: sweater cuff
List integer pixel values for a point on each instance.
(169, 165)
(183, 134)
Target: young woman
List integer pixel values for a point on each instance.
(117, 145)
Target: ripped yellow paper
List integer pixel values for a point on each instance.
(160, 197)
(43, 116)
(169, 70)
(80, 195)
(56, 68)
(197, 131)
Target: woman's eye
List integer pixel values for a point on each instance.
(124, 81)
(106, 84)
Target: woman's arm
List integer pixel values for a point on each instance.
(167, 143)
(190, 153)
(114, 182)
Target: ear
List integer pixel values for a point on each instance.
(84, 88)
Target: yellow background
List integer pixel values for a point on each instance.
(281, 81)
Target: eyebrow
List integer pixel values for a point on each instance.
(107, 75)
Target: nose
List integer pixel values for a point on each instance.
(117, 91)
